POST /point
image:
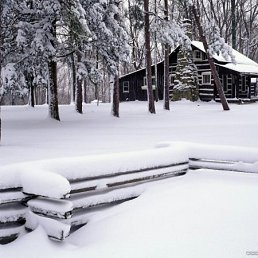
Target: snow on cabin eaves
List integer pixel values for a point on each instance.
(242, 68)
(242, 64)
(240, 58)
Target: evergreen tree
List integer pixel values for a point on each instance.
(186, 79)
(109, 37)
(173, 35)
(135, 16)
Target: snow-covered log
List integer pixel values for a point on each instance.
(65, 193)
(54, 228)
(219, 157)
(10, 233)
(12, 213)
(88, 183)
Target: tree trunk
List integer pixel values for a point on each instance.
(1, 60)
(148, 58)
(53, 100)
(79, 87)
(115, 104)
(211, 61)
(166, 64)
(52, 91)
(32, 95)
(73, 79)
(156, 50)
(233, 23)
(85, 90)
(32, 89)
(96, 86)
(79, 96)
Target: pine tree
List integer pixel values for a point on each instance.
(186, 79)
(135, 16)
(109, 37)
(12, 77)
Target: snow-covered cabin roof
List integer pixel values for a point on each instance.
(243, 63)
(240, 58)
(242, 68)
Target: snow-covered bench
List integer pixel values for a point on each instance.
(66, 193)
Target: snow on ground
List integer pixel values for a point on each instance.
(29, 135)
(202, 214)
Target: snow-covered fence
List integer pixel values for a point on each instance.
(228, 158)
(12, 213)
(65, 193)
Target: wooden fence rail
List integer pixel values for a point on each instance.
(62, 213)
(34, 201)
(12, 213)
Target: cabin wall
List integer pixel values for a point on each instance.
(136, 82)
(235, 86)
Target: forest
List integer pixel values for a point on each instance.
(87, 171)
(61, 52)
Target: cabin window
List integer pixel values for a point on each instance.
(126, 87)
(197, 55)
(204, 56)
(153, 81)
(206, 78)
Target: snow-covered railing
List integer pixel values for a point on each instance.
(65, 193)
(218, 157)
(12, 213)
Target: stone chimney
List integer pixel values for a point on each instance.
(187, 24)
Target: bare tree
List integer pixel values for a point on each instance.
(115, 103)
(237, 21)
(166, 64)
(210, 59)
(1, 58)
(233, 22)
(53, 99)
(79, 85)
(148, 58)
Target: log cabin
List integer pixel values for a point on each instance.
(239, 79)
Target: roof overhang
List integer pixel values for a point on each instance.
(244, 69)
